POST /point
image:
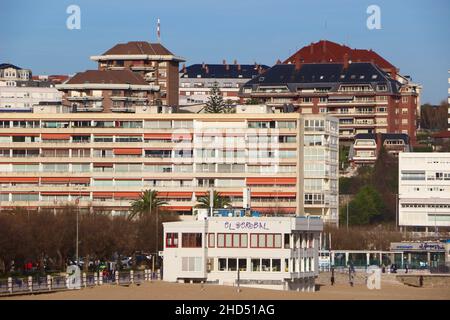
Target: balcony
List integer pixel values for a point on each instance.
(142, 68)
(85, 98)
(123, 109)
(88, 109)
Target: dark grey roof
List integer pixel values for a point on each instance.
(323, 74)
(8, 65)
(247, 71)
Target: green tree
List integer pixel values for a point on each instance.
(146, 205)
(218, 201)
(215, 103)
(366, 207)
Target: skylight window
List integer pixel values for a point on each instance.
(342, 76)
(361, 77)
(353, 76)
(321, 77)
(374, 76)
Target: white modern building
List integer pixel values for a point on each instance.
(23, 98)
(266, 252)
(424, 191)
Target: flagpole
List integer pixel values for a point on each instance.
(158, 31)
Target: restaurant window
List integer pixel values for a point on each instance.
(256, 264)
(171, 240)
(286, 240)
(242, 264)
(232, 240)
(191, 240)
(265, 264)
(232, 264)
(262, 240)
(222, 264)
(276, 265)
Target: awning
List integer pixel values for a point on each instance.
(174, 208)
(102, 194)
(128, 151)
(56, 136)
(65, 179)
(19, 179)
(157, 136)
(175, 194)
(134, 195)
(255, 181)
(104, 164)
(274, 194)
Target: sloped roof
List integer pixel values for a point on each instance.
(326, 51)
(8, 65)
(107, 76)
(322, 73)
(247, 71)
(138, 47)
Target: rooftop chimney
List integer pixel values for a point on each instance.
(224, 61)
(345, 60)
(203, 65)
(235, 61)
(184, 67)
(278, 61)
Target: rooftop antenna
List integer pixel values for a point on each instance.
(158, 31)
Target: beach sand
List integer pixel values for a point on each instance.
(160, 290)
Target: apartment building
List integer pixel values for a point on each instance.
(366, 147)
(108, 91)
(424, 191)
(197, 80)
(10, 75)
(152, 61)
(23, 98)
(357, 86)
(51, 159)
(265, 252)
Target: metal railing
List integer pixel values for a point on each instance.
(48, 283)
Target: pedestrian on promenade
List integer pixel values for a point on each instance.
(332, 276)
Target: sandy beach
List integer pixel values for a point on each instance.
(160, 290)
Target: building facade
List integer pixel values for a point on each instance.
(23, 98)
(424, 191)
(358, 86)
(108, 91)
(266, 252)
(362, 96)
(197, 80)
(289, 161)
(152, 61)
(366, 146)
(10, 75)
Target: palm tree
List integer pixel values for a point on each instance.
(146, 205)
(218, 201)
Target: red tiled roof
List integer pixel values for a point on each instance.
(138, 47)
(107, 76)
(328, 51)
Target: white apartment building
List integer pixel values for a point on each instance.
(289, 160)
(424, 191)
(23, 98)
(266, 252)
(10, 75)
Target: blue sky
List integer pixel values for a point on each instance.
(414, 34)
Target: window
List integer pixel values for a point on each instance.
(222, 264)
(191, 240)
(191, 264)
(232, 264)
(171, 240)
(242, 264)
(211, 238)
(287, 243)
(232, 240)
(265, 264)
(276, 265)
(256, 264)
(262, 240)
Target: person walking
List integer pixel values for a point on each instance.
(332, 276)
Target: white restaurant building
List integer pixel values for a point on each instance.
(266, 252)
(424, 191)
